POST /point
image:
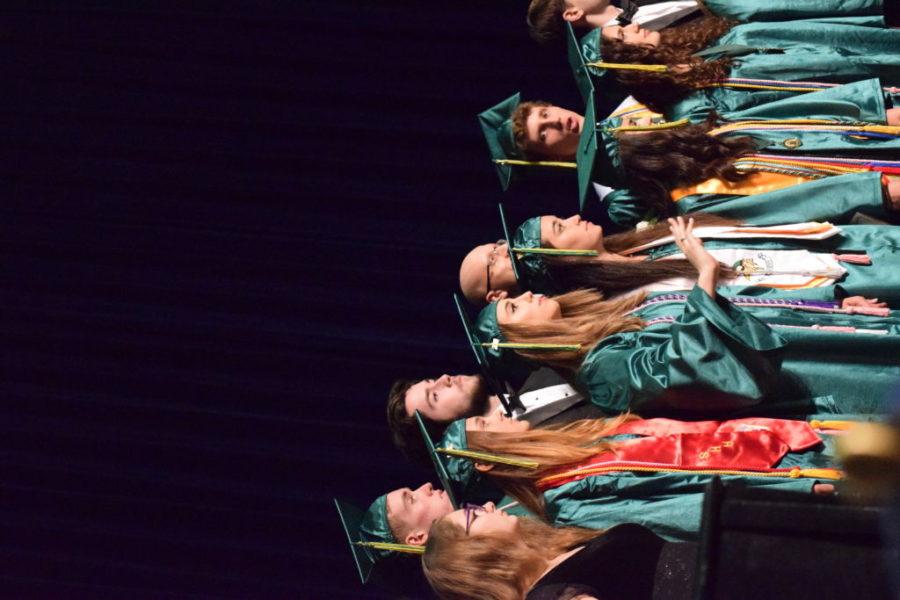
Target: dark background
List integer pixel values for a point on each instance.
(225, 230)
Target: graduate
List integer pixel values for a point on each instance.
(767, 168)
(639, 351)
(544, 397)
(800, 261)
(397, 521)
(490, 555)
(547, 18)
(713, 65)
(598, 473)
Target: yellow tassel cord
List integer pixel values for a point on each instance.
(834, 425)
(524, 346)
(826, 125)
(535, 163)
(654, 127)
(404, 548)
(794, 473)
(628, 67)
(556, 251)
(757, 86)
(489, 458)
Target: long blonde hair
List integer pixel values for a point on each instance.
(552, 447)
(586, 319)
(491, 566)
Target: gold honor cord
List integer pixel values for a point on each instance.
(759, 86)
(404, 548)
(497, 344)
(628, 66)
(556, 251)
(794, 473)
(817, 125)
(489, 458)
(535, 163)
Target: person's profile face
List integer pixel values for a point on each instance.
(445, 398)
(553, 132)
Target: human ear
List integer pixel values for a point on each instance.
(572, 14)
(496, 295)
(417, 537)
(483, 467)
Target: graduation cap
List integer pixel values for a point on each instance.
(489, 345)
(460, 459)
(496, 124)
(369, 535)
(501, 388)
(590, 45)
(526, 255)
(439, 467)
(584, 55)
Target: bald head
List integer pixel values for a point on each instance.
(486, 274)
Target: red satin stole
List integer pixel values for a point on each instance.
(753, 444)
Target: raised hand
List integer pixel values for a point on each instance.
(692, 247)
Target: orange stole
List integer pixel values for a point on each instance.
(757, 183)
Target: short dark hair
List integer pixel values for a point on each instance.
(545, 20)
(404, 430)
(520, 128)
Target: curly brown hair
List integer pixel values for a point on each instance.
(545, 20)
(519, 126)
(657, 162)
(657, 91)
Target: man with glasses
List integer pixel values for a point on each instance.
(486, 274)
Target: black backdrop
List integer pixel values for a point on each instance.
(225, 229)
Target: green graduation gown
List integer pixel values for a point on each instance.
(881, 279)
(789, 10)
(707, 354)
(835, 198)
(821, 50)
(670, 504)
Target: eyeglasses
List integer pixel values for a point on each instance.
(470, 510)
(493, 255)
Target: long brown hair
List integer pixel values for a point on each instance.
(552, 447)
(586, 319)
(659, 90)
(618, 277)
(657, 162)
(494, 567)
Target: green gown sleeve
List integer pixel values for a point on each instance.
(713, 346)
(669, 504)
(862, 100)
(788, 10)
(835, 199)
(624, 208)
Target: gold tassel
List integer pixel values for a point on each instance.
(535, 163)
(404, 548)
(556, 251)
(629, 67)
(817, 473)
(497, 344)
(489, 458)
(837, 425)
